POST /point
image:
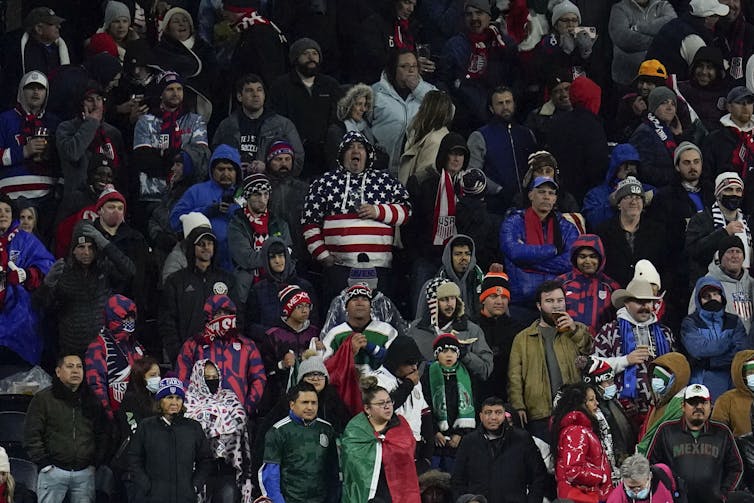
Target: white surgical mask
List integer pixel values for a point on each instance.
(750, 382)
(658, 385)
(609, 392)
(153, 383)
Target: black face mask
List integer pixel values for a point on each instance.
(713, 305)
(731, 202)
(213, 385)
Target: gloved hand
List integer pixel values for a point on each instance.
(15, 275)
(91, 232)
(56, 271)
(584, 42)
(567, 43)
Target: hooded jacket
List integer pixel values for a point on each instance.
(111, 355)
(588, 297)
(529, 265)
(709, 101)
(597, 207)
(330, 221)
(733, 407)
(205, 198)
(21, 176)
(711, 339)
(669, 405)
(739, 294)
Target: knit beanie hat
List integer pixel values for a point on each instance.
(557, 76)
(102, 42)
(495, 282)
(483, 5)
(473, 183)
(363, 272)
(256, 182)
(301, 45)
(311, 362)
(683, 147)
(166, 20)
(627, 187)
(748, 365)
(727, 179)
(440, 288)
(4, 461)
(594, 370)
(358, 290)
(167, 78)
(113, 11)
(109, 194)
(170, 386)
(278, 148)
(729, 242)
(542, 158)
(198, 222)
(290, 297)
(658, 96)
(563, 8)
(445, 341)
(448, 289)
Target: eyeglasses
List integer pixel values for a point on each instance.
(315, 376)
(383, 405)
(568, 20)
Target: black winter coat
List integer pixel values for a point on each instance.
(167, 461)
(499, 333)
(502, 469)
(717, 153)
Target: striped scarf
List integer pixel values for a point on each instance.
(718, 220)
(437, 377)
(444, 218)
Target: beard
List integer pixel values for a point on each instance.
(547, 318)
(696, 422)
(308, 71)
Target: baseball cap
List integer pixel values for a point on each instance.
(41, 15)
(696, 391)
(541, 180)
(738, 94)
(707, 8)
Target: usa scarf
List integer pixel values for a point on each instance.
(628, 344)
(103, 144)
(466, 415)
(221, 327)
(742, 157)
(170, 128)
(402, 37)
(30, 123)
(663, 133)
(444, 218)
(481, 45)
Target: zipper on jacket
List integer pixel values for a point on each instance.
(73, 412)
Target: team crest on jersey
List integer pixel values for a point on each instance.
(324, 440)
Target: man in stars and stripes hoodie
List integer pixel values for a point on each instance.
(353, 209)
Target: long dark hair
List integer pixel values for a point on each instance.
(572, 398)
(391, 66)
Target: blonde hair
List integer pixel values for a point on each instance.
(435, 112)
(10, 486)
(346, 103)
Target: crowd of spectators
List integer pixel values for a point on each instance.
(379, 251)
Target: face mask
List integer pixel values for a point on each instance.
(213, 385)
(609, 392)
(658, 385)
(750, 382)
(641, 495)
(129, 325)
(713, 305)
(153, 383)
(731, 202)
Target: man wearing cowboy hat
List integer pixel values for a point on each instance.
(633, 340)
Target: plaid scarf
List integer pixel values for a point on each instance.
(742, 156)
(170, 128)
(481, 45)
(103, 144)
(402, 37)
(437, 377)
(663, 133)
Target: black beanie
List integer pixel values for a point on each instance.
(729, 242)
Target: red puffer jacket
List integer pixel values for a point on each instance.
(582, 469)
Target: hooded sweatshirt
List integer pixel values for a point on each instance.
(709, 101)
(733, 406)
(330, 221)
(588, 296)
(205, 198)
(19, 176)
(711, 339)
(669, 405)
(738, 293)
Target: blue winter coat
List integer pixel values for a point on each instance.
(18, 321)
(529, 265)
(204, 197)
(597, 207)
(711, 340)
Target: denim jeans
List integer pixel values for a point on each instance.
(53, 485)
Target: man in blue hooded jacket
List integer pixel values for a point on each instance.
(712, 337)
(214, 198)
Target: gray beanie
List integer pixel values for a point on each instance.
(113, 11)
(483, 5)
(683, 147)
(627, 187)
(313, 363)
(659, 95)
(565, 7)
(300, 45)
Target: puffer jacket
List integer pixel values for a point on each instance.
(632, 28)
(711, 339)
(597, 207)
(733, 407)
(392, 115)
(529, 265)
(581, 465)
(588, 297)
(527, 365)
